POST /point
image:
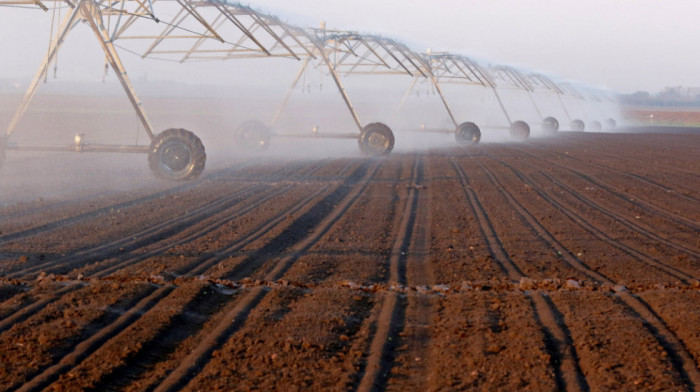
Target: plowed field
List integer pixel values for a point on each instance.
(568, 263)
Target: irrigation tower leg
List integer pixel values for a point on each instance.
(341, 88)
(406, 94)
(444, 100)
(89, 12)
(66, 25)
(566, 111)
(500, 102)
(279, 111)
(93, 15)
(534, 104)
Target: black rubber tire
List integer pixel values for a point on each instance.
(467, 133)
(376, 139)
(519, 130)
(610, 123)
(177, 154)
(578, 126)
(550, 125)
(596, 126)
(253, 136)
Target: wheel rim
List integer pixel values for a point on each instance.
(252, 139)
(175, 158)
(253, 135)
(466, 134)
(550, 124)
(519, 130)
(377, 142)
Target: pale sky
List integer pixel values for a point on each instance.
(624, 45)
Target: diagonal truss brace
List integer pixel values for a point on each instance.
(87, 11)
(448, 68)
(351, 51)
(552, 87)
(520, 82)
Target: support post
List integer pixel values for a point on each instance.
(566, 111)
(407, 93)
(339, 84)
(444, 100)
(534, 104)
(92, 14)
(279, 111)
(500, 102)
(582, 107)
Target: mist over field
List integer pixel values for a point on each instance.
(448, 224)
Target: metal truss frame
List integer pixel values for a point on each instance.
(509, 77)
(203, 30)
(580, 95)
(598, 99)
(347, 53)
(447, 68)
(543, 83)
(450, 69)
(196, 30)
(200, 30)
(572, 92)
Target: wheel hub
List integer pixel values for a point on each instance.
(376, 142)
(252, 138)
(466, 134)
(176, 157)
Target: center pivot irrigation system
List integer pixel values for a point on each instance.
(446, 68)
(345, 53)
(200, 30)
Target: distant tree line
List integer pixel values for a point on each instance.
(670, 96)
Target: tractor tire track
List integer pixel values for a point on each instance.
(616, 216)
(420, 307)
(630, 174)
(87, 347)
(496, 249)
(654, 160)
(626, 197)
(62, 223)
(564, 360)
(597, 232)
(83, 350)
(392, 312)
(327, 212)
(207, 260)
(91, 344)
(188, 321)
(208, 226)
(677, 352)
(31, 308)
(159, 232)
(137, 240)
(623, 219)
(182, 327)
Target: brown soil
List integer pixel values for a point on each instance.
(568, 263)
(656, 115)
